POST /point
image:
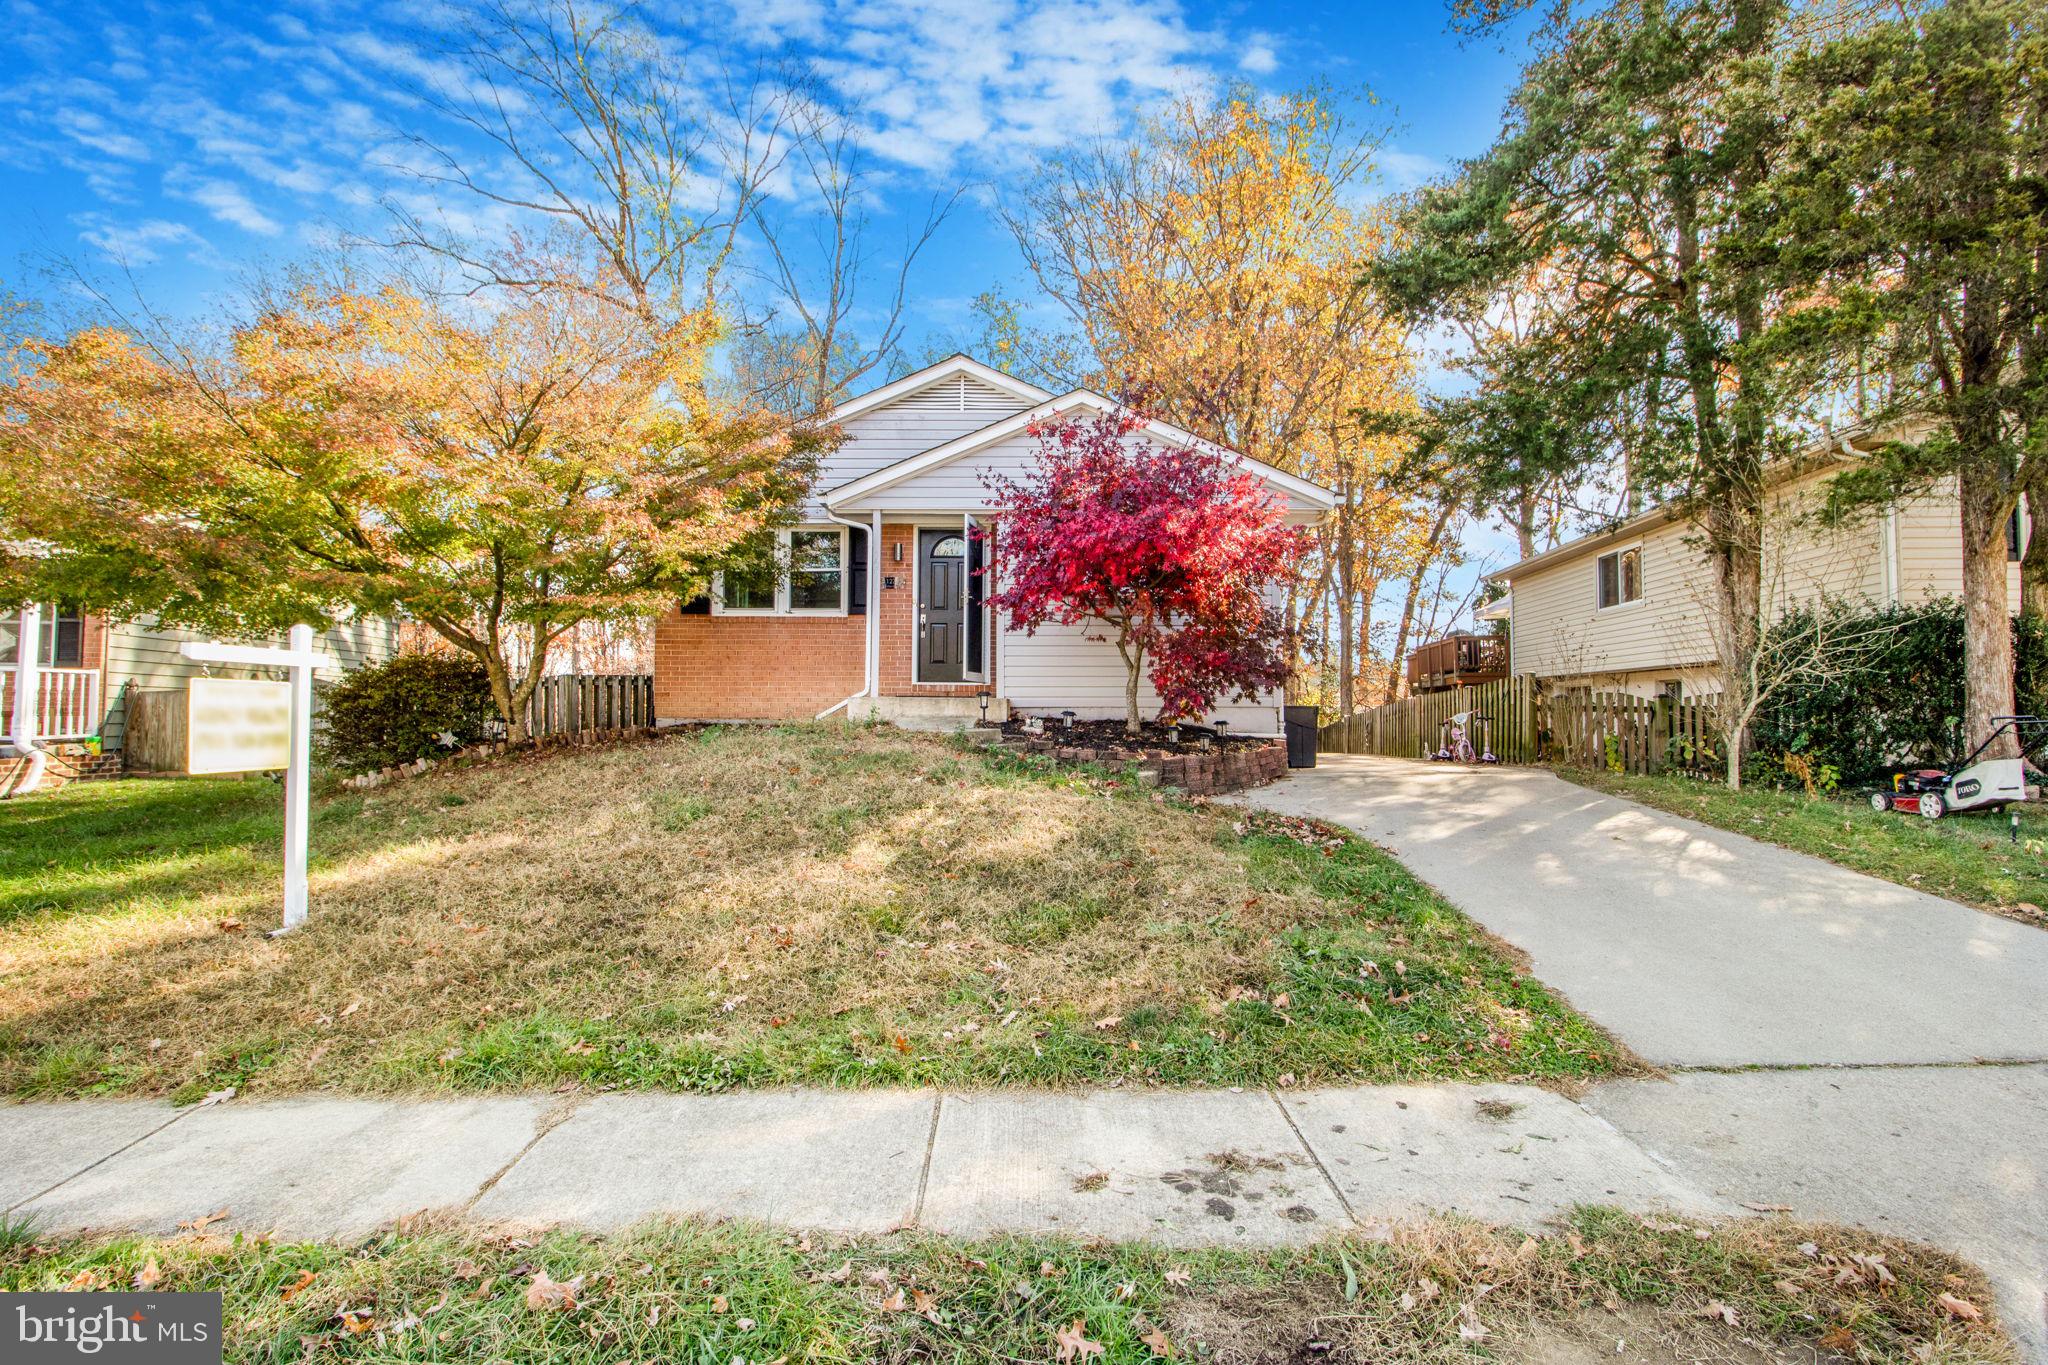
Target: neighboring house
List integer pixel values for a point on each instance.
(882, 613)
(1632, 608)
(88, 666)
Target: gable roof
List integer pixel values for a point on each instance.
(951, 367)
(890, 475)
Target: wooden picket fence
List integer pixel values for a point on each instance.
(1526, 724)
(571, 706)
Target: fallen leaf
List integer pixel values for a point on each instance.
(1718, 1309)
(1951, 1305)
(229, 925)
(1109, 1022)
(1159, 1343)
(466, 1269)
(1838, 1339)
(149, 1276)
(901, 1044)
(894, 1302)
(1470, 1328)
(923, 1301)
(202, 1223)
(353, 1006)
(84, 1279)
(217, 1097)
(1281, 1001)
(293, 1290)
(580, 1048)
(1178, 1276)
(743, 1324)
(1125, 1290)
(841, 1275)
(356, 1321)
(720, 1304)
(1074, 1343)
(546, 1293)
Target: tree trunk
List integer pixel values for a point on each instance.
(1134, 671)
(1987, 626)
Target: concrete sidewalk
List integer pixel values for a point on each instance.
(1696, 947)
(1948, 1155)
(1203, 1167)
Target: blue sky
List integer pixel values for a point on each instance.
(183, 144)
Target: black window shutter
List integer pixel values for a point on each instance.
(857, 564)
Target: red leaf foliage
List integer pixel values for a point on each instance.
(1173, 552)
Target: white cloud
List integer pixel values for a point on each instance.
(224, 201)
(91, 129)
(1406, 170)
(1258, 57)
(139, 244)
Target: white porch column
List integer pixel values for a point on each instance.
(27, 680)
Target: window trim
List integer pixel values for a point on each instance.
(1615, 554)
(782, 605)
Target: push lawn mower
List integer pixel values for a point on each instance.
(1991, 784)
(1454, 742)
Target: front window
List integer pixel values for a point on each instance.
(810, 576)
(816, 570)
(753, 590)
(1619, 577)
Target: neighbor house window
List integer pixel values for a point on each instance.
(63, 638)
(814, 580)
(1620, 576)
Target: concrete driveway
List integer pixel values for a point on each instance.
(1694, 946)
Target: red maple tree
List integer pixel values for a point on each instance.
(1170, 551)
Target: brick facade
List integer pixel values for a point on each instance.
(793, 667)
(755, 667)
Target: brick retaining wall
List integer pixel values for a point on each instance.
(1199, 774)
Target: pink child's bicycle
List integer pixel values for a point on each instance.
(1454, 739)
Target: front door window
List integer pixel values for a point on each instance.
(942, 607)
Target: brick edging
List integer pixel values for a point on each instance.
(1199, 774)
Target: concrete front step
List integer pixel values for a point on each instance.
(929, 713)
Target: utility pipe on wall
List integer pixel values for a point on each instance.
(870, 681)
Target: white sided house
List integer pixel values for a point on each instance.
(1632, 608)
(882, 611)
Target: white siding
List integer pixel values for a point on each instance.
(940, 412)
(144, 656)
(957, 483)
(1061, 669)
(1558, 633)
(1930, 535)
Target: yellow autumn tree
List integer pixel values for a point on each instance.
(1213, 264)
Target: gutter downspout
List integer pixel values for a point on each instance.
(22, 741)
(870, 627)
(1889, 557)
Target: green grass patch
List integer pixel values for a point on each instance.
(824, 904)
(690, 1292)
(1970, 858)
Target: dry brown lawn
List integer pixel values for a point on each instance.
(822, 903)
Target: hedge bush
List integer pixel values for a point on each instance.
(1901, 702)
(398, 711)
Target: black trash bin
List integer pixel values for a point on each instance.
(1301, 736)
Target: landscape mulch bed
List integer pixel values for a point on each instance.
(1107, 739)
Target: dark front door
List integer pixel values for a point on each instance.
(942, 606)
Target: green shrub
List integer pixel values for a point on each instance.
(1899, 702)
(398, 711)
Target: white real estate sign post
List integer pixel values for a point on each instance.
(233, 727)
